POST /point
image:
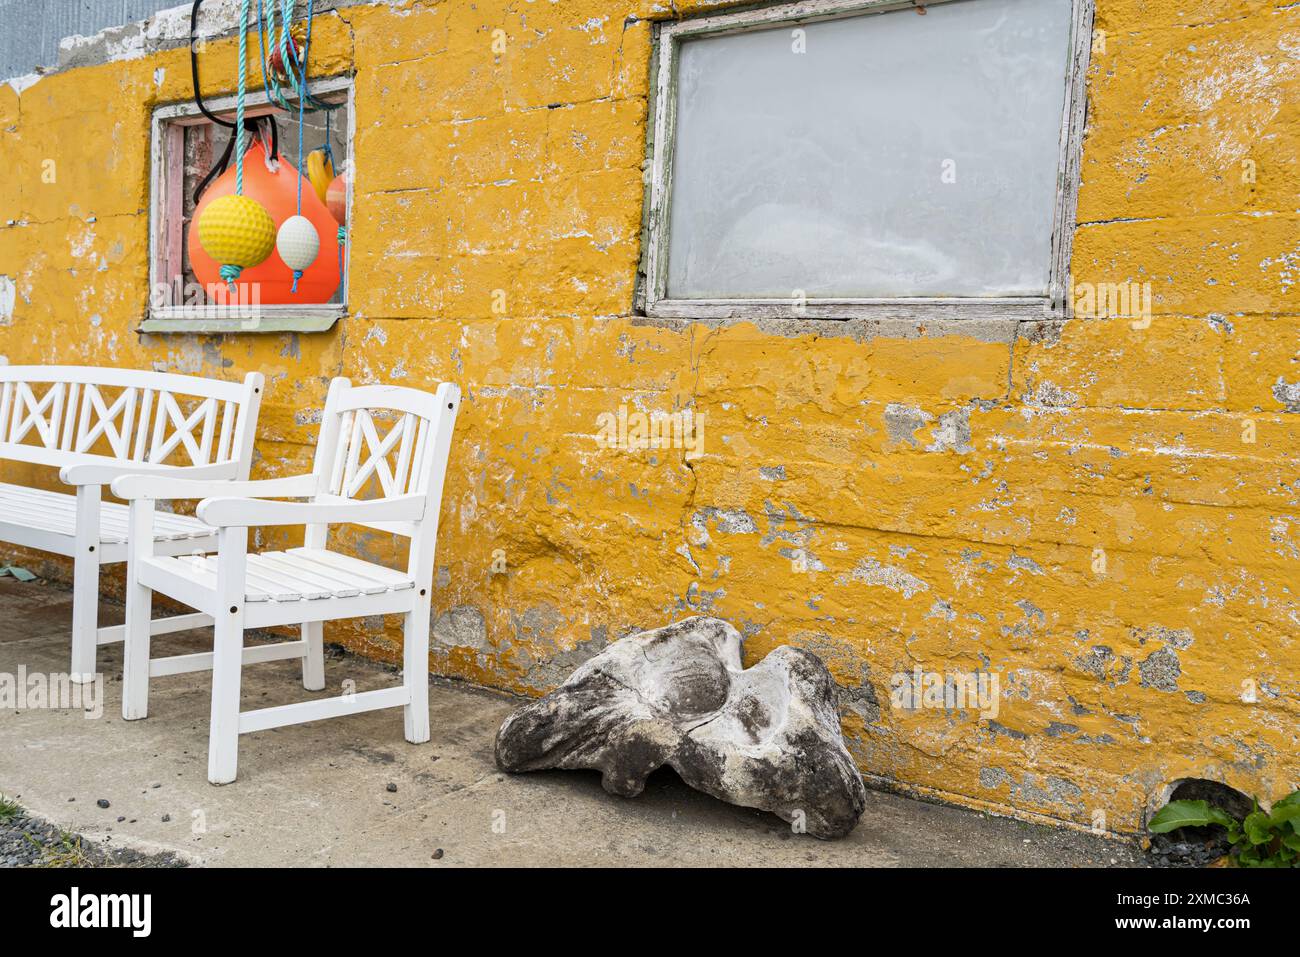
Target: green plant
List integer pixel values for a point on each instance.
(67, 852)
(1260, 839)
(9, 809)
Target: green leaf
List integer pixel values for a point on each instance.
(1255, 857)
(1178, 814)
(1283, 813)
(1219, 816)
(1257, 827)
(1292, 841)
(1291, 800)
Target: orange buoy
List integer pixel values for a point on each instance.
(278, 192)
(336, 198)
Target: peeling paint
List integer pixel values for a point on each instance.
(1104, 516)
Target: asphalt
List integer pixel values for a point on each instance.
(352, 792)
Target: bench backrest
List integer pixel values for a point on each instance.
(70, 415)
(380, 441)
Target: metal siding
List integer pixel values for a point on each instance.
(30, 30)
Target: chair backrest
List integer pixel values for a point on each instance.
(381, 441)
(69, 415)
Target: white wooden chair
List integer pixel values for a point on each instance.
(304, 586)
(95, 425)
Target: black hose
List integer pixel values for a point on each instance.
(250, 125)
(194, 69)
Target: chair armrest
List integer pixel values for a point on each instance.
(247, 512)
(96, 474)
(166, 487)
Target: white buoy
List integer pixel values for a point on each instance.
(298, 244)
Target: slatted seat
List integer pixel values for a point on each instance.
(56, 513)
(388, 478)
(95, 425)
(299, 574)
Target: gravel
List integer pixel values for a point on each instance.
(26, 841)
(1189, 847)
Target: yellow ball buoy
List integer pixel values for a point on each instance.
(237, 232)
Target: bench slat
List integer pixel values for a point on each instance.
(338, 586)
(125, 378)
(290, 576)
(363, 570)
(57, 512)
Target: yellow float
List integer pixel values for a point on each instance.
(237, 232)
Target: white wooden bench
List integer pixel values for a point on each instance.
(386, 478)
(95, 425)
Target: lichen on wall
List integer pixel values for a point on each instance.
(1102, 513)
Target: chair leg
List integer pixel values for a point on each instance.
(415, 673)
(135, 650)
(85, 585)
(85, 616)
(313, 661)
(223, 730)
(139, 614)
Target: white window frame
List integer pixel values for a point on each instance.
(652, 291)
(166, 199)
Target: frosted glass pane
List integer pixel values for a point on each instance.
(824, 171)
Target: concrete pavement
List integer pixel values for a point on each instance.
(322, 794)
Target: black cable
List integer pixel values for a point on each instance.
(194, 69)
(217, 169)
(250, 125)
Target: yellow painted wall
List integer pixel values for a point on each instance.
(522, 172)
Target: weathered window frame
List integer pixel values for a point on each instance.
(166, 140)
(652, 291)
